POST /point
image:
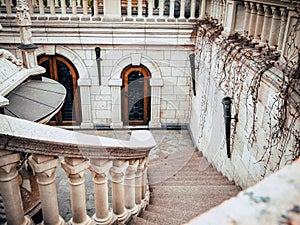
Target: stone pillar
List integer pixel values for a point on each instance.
(85, 16)
(253, 17)
(99, 169)
(275, 27)
(156, 85)
(140, 8)
(63, 10)
(150, 8)
(202, 9)
(116, 103)
(161, 8)
(182, 9)
(52, 11)
(284, 15)
(75, 169)
(26, 46)
(130, 187)
(112, 10)
(230, 17)
(10, 190)
(96, 11)
(266, 24)
(139, 182)
(44, 167)
(259, 21)
(117, 172)
(78, 3)
(247, 18)
(85, 99)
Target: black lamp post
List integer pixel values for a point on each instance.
(98, 60)
(227, 117)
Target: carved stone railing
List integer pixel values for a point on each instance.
(97, 10)
(124, 161)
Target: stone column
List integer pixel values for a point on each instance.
(266, 24)
(10, 190)
(284, 15)
(52, 11)
(63, 10)
(253, 17)
(85, 16)
(203, 9)
(247, 18)
(116, 103)
(96, 11)
(230, 17)
(44, 167)
(275, 27)
(99, 169)
(130, 187)
(117, 173)
(156, 85)
(129, 8)
(171, 8)
(140, 8)
(112, 10)
(85, 99)
(259, 21)
(42, 10)
(161, 8)
(150, 8)
(75, 169)
(74, 10)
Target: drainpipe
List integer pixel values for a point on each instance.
(98, 60)
(192, 64)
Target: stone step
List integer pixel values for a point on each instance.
(172, 212)
(161, 218)
(196, 182)
(141, 221)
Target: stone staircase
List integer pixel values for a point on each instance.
(179, 194)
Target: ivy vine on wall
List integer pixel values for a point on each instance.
(242, 68)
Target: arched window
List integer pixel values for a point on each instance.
(136, 96)
(62, 70)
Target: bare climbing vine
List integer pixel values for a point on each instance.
(235, 56)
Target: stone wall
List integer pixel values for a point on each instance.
(249, 162)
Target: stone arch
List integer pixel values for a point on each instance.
(84, 81)
(115, 83)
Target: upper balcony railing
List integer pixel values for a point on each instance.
(95, 10)
(121, 162)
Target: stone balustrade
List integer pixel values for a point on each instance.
(123, 163)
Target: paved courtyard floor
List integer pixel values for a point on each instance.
(168, 142)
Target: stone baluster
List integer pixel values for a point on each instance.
(139, 182)
(2, 2)
(75, 169)
(193, 9)
(145, 181)
(266, 24)
(95, 11)
(100, 169)
(130, 187)
(8, 4)
(117, 172)
(10, 190)
(284, 16)
(253, 17)
(56, 4)
(63, 10)
(78, 3)
(212, 8)
(74, 11)
(42, 9)
(172, 7)
(44, 167)
(217, 9)
(85, 16)
(140, 8)
(52, 10)
(275, 27)
(129, 8)
(203, 9)
(182, 9)
(220, 18)
(246, 18)
(259, 22)
(150, 8)
(30, 4)
(161, 9)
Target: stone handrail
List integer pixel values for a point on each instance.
(124, 161)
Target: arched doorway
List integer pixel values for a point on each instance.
(136, 96)
(62, 70)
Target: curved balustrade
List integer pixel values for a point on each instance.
(124, 161)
